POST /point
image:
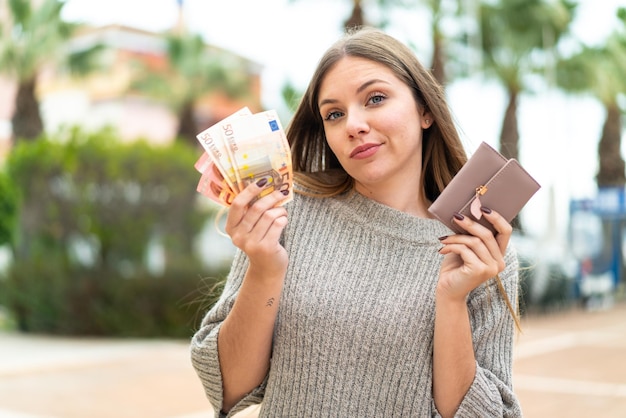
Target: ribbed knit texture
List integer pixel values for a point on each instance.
(354, 332)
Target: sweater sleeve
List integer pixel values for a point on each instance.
(493, 328)
(204, 355)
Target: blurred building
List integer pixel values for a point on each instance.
(105, 98)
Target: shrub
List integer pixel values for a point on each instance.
(8, 209)
(45, 297)
(90, 207)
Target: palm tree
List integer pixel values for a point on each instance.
(356, 18)
(438, 61)
(518, 37)
(36, 36)
(438, 13)
(194, 70)
(600, 71)
(290, 95)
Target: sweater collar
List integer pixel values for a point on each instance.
(365, 211)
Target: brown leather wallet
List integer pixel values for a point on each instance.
(487, 179)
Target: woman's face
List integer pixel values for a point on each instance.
(372, 124)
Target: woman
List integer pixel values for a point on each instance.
(351, 301)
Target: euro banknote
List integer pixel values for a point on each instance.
(214, 145)
(242, 149)
(213, 186)
(258, 148)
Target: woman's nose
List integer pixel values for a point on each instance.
(356, 123)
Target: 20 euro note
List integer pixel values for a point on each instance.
(213, 185)
(213, 143)
(259, 149)
(203, 163)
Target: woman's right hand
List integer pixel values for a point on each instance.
(255, 227)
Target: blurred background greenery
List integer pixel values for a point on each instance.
(101, 229)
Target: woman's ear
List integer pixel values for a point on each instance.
(427, 120)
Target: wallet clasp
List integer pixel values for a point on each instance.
(481, 190)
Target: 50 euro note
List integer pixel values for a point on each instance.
(258, 148)
(213, 143)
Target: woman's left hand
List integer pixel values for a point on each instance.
(473, 258)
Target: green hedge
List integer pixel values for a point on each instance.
(90, 207)
(44, 297)
(8, 209)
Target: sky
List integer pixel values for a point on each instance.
(559, 133)
(288, 36)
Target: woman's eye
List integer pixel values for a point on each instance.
(333, 115)
(376, 98)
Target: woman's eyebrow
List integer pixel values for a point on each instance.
(369, 83)
(358, 90)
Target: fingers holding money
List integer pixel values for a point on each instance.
(255, 224)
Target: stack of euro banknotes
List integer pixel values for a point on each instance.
(241, 149)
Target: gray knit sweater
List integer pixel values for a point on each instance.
(354, 333)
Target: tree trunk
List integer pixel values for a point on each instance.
(27, 123)
(356, 19)
(438, 60)
(509, 141)
(611, 170)
(611, 174)
(509, 135)
(187, 128)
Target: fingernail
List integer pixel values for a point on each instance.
(458, 216)
(485, 210)
(261, 182)
(285, 192)
(442, 238)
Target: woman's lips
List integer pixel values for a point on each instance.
(364, 151)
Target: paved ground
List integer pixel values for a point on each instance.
(573, 365)
(569, 364)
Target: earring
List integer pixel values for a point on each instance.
(427, 122)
